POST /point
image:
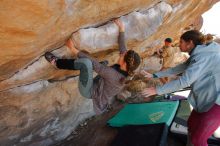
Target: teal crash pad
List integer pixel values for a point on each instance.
(145, 113)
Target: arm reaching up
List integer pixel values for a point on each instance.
(120, 25)
(121, 38)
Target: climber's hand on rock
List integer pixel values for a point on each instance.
(146, 74)
(120, 25)
(70, 44)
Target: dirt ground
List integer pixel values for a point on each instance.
(95, 132)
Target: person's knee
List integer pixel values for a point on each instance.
(83, 63)
(84, 60)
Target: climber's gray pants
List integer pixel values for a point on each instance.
(86, 76)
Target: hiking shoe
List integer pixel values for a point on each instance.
(50, 58)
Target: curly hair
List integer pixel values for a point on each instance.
(132, 60)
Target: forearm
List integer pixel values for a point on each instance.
(170, 87)
(193, 71)
(121, 42)
(172, 71)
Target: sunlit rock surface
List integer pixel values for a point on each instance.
(40, 104)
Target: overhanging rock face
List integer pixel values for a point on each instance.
(39, 104)
(139, 26)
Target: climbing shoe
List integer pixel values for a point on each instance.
(50, 57)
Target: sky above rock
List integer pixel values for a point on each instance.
(211, 23)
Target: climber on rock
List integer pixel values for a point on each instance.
(110, 79)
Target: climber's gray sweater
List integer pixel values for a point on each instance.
(109, 81)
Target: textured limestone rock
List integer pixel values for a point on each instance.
(152, 63)
(41, 113)
(39, 104)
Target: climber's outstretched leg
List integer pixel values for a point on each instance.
(66, 64)
(83, 64)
